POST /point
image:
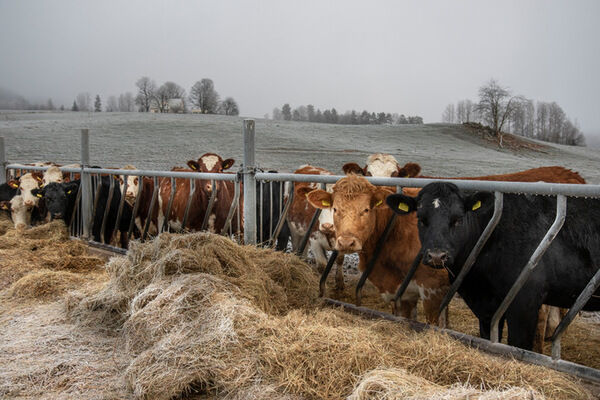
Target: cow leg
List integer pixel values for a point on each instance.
(408, 308)
(522, 327)
(339, 275)
(319, 253)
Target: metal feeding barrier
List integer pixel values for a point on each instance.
(263, 218)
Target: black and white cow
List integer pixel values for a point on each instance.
(450, 222)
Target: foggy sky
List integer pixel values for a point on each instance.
(411, 57)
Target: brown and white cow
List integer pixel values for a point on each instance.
(19, 212)
(360, 217)
(27, 203)
(208, 162)
(381, 164)
(299, 216)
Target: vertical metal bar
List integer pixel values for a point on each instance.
(260, 213)
(326, 272)
(121, 205)
(407, 279)
(271, 201)
(232, 208)
(2, 162)
(249, 183)
(561, 211)
(211, 202)
(86, 191)
(96, 199)
(284, 214)
(581, 301)
(151, 209)
(487, 232)
(76, 206)
(189, 203)
(306, 236)
(111, 190)
(165, 226)
(136, 206)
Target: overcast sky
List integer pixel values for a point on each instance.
(410, 57)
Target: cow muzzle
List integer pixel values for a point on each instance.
(436, 258)
(326, 228)
(56, 216)
(347, 244)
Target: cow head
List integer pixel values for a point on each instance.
(384, 165)
(133, 185)
(354, 203)
(58, 196)
(326, 217)
(27, 183)
(210, 162)
(52, 174)
(19, 212)
(446, 220)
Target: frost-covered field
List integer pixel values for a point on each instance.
(160, 141)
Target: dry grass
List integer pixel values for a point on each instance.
(200, 314)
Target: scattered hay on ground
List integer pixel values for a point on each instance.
(200, 314)
(44, 285)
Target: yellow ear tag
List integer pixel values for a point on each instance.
(403, 207)
(379, 203)
(14, 185)
(326, 203)
(193, 166)
(69, 191)
(39, 195)
(476, 205)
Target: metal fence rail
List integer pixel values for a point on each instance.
(255, 216)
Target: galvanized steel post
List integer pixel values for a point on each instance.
(86, 187)
(249, 183)
(2, 161)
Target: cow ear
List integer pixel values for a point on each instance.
(5, 205)
(39, 193)
(479, 202)
(353, 168)
(228, 163)
(193, 165)
(303, 191)
(13, 183)
(70, 188)
(409, 170)
(38, 176)
(378, 197)
(320, 199)
(401, 204)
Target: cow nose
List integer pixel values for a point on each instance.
(57, 216)
(436, 258)
(29, 203)
(327, 228)
(347, 243)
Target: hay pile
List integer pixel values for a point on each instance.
(201, 315)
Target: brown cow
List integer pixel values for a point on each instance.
(208, 162)
(299, 216)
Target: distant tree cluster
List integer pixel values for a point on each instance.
(170, 97)
(124, 103)
(309, 114)
(503, 112)
(12, 101)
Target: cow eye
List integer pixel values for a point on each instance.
(366, 210)
(334, 209)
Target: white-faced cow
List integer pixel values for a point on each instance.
(381, 164)
(450, 222)
(299, 216)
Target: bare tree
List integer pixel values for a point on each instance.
(126, 102)
(111, 104)
(496, 105)
(541, 121)
(229, 107)
(168, 91)
(277, 115)
(84, 101)
(146, 93)
(97, 104)
(204, 96)
(449, 114)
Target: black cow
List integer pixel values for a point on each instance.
(60, 202)
(450, 223)
(8, 191)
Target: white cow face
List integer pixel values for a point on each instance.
(20, 213)
(52, 174)
(133, 187)
(27, 183)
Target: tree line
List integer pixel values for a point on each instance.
(170, 97)
(309, 114)
(503, 112)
